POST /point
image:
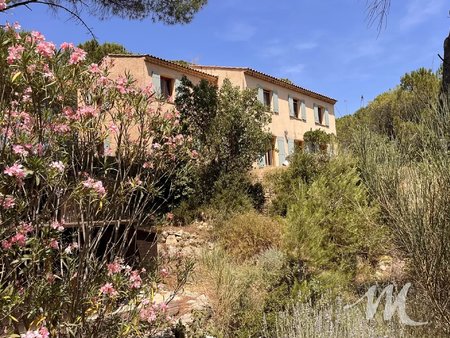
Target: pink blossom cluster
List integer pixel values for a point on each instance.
(16, 170)
(45, 48)
(150, 313)
(41, 333)
(109, 290)
(7, 202)
(14, 53)
(97, 186)
(2, 5)
(19, 150)
(115, 267)
(86, 111)
(19, 238)
(60, 128)
(36, 37)
(135, 279)
(77, 56)
(58, 165)
(57, 226)
(53, 244)
(122, 84)
(94, 68)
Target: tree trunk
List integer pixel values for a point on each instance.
(446, 70)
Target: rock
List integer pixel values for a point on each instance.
(171, 240)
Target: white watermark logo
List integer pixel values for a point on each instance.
(391, 306)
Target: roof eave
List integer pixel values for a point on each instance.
(287, 85)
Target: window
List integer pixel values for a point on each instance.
(296, 105)
(166, 87)
(299, 144)
(320, 110)
(267, 96)
(269, 156)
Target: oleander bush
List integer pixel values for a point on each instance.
(76, 183)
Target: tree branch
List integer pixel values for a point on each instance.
(75, 15)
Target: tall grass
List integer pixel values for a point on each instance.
(410, 178)
(329, 319)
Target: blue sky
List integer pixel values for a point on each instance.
(325, 46)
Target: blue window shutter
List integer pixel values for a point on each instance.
(303, 108)
(156, 80)
(177, 84)
(327, 118)
(281, 151)
(262, 161)
(316, 113)
(290, 146)
(291, 106)
(276, 108)
(107, 144)
(260, 95)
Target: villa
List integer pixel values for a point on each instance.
(295, 110)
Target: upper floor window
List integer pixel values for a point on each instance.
(166, 87)
(267, 96)
(320, 113)
(296, 107)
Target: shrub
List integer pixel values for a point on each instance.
(57, 172)
(331, 221)
(412, 186)
(303, 169)
(248, 234)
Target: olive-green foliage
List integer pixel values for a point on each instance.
(167, 11)
(330, 221)
(238, 291)
(247, 234)
(229, 129)
(412, 185)
(96, 52)
(393, 112)
(303, 169)
(316, 140)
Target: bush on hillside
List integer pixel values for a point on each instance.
(248, 234)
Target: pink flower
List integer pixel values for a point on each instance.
(114, 267)
(97, 186)
(194, 154)
(54, 244)
(57, 226)
(58, 165)
(19, 150)
(14, 53)
(77, 56)
(6, 245)
(43, 331)
(45, 48)
(19, 239)
(7, 202)
(37, 36)
(135, 279)
(66, 45)
(87, 111)
(108, 289)
(16, 170)
(61, 128)
(2, 5)
(94, 68)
